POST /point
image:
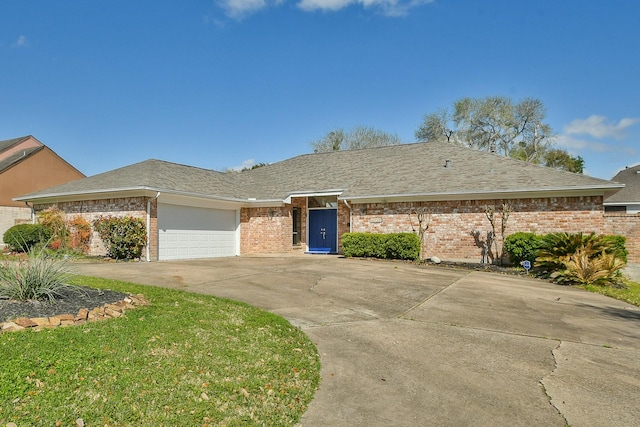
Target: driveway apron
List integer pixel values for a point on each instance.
(407, 345)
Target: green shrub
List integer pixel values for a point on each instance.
(362, 245)
(582, 258)
(616, 245)
(390, 246)
(522, 246)
(124, 237)
(23, 237)
(35, 278)
(402, 246)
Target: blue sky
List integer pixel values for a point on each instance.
(220, 84)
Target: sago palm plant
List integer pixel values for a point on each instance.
(580, 259)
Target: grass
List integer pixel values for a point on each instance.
(186, 360)
(630, 293)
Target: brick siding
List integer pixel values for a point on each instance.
(457, 229)
(266, 230)
(627, 225)
(91, 210)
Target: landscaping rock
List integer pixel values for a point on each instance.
(25, 322)
(10, 326)
(84, 315)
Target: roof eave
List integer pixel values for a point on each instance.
(484, 195)
(117, 193)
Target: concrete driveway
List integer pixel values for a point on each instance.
(403, 345)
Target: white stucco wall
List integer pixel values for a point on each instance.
(10, 216)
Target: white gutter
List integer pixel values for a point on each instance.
(114, 191)
(148, 252)
(33, 213)
(513, 193)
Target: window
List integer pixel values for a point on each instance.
(296, 226)
(617, 209)
(323, 201)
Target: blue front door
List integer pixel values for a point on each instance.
(323, 230)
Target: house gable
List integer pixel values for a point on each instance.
(626, 200)
(26, 165)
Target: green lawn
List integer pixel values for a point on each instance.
(184, 360)
(630, 293)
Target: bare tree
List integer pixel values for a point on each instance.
(356, 138)
(490, 213)
(423, 218)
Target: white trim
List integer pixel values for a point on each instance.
(464, 195)
(287, 200)
(238, 242)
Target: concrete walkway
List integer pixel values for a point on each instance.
(403, 345)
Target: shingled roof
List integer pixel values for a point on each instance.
(17, 157)
(421, 170)
(630, 194)
(152, 175)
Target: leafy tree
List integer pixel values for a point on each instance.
(560, 159)
(356, 138)
(498, 125)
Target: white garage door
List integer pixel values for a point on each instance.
(186, 232)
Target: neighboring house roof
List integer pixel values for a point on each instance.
(16, 158)
(6, 144)
(630, 194)
(13, 151)
(9, 159)
(420, 171)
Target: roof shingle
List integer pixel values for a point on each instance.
(408, 169)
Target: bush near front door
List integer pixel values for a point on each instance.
(387, 246)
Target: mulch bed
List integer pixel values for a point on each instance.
(490, 268)
(69, 302)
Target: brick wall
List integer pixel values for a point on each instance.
(628, 226)
(457, 229)
(266, 230)
(94, 209)
(301, 203)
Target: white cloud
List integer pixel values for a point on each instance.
(238, 9)
(21, 42)
(247, 164)
(388, 7)
(574, 144)
(599, 127)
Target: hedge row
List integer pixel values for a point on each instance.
(388, 246)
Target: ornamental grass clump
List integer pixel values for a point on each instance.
(35, 278)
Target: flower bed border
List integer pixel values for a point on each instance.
(107, 311)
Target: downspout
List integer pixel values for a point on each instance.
(148, 251)
(33, 212)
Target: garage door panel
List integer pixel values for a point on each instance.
(188, 232)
